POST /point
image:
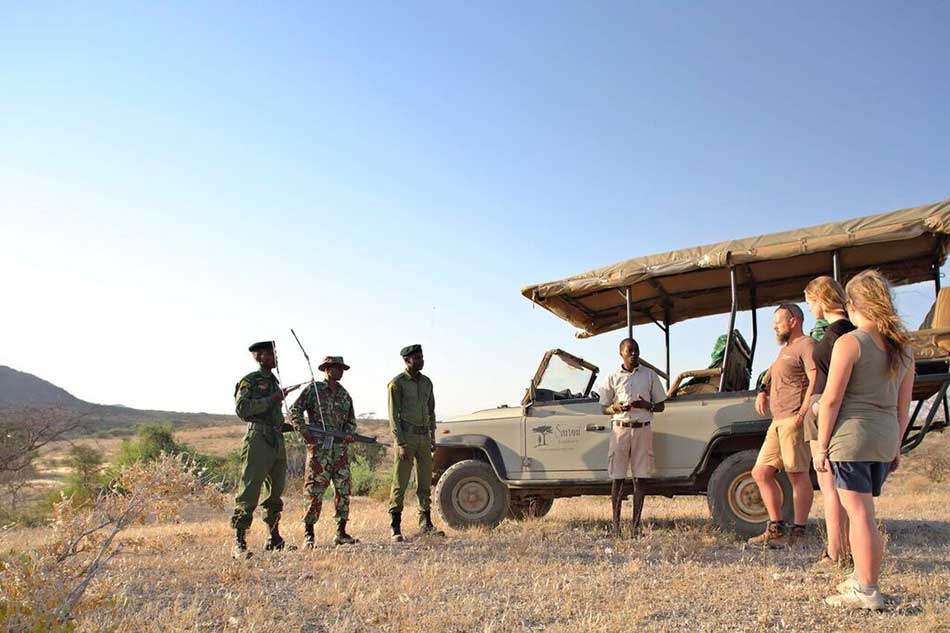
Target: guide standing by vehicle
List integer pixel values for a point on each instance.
(632, 394)
(412, 422)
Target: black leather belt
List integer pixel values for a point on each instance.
(259, 426)
(631, 425)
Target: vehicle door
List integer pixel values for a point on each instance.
(566, 435)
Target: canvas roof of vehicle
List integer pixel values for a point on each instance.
(907, 245)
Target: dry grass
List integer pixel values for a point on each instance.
(559, 573)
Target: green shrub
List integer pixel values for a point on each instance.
(85, 479)
(151, 440)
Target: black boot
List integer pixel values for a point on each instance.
(425, 524)
(616, 501)
(395, 522)
(342, 538)
(275, 542)
(638, 497)
(308, 535)
(239, 551)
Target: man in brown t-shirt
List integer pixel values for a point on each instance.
(790, 381)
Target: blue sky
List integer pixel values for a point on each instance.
(177, 181)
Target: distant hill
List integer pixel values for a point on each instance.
(22, 391)
(20, 388)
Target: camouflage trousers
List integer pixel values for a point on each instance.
(326, 466)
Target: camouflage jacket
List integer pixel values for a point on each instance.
(411, 403)
(252, 399)
(336, 405)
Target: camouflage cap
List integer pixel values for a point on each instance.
(329, 361)
(409, 350)
(262, 346)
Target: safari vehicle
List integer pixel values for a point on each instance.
(515, 461)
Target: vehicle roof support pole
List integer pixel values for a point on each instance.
(732, 326)
(629, 314)
(836, 265)
(755, 326)
(666, 333)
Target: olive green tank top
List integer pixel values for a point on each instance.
(867, 429)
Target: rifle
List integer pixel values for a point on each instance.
(341, 435)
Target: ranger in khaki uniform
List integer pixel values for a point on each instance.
(258, 398)
(412, 422)
(328, 459)
(631, 395)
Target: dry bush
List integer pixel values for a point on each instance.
(49, 588)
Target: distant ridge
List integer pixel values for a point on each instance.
(20, 390)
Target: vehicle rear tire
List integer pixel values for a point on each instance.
(469, 494)
(532, 508)
(734, 499)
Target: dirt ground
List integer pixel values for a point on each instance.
(558, 573)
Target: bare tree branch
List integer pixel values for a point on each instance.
(99, 562)
(25, 430)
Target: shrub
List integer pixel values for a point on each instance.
(51, 587)
(151, 440)
(363, 479)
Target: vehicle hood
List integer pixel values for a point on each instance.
(500, 413)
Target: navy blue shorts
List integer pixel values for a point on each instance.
(864, 477)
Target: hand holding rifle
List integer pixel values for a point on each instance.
(278, 396)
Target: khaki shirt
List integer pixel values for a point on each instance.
(411, 402)
(625, 387)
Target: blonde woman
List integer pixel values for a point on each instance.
(862, 417)
(826, 300)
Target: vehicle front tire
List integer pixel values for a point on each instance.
(533, 508)
(734, 499)
(470, 494)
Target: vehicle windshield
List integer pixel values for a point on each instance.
(566, 377)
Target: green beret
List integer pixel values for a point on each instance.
(262, 346)
(409, 350)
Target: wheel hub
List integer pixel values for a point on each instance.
(745, 500)
(473, 497)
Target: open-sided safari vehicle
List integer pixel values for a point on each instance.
(515, 461)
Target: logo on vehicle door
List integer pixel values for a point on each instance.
(561, 435)
(542, 432)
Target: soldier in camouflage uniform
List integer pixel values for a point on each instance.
(328, 459)
(412, 422)
(258, 399)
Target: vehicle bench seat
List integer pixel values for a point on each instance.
(932, 340)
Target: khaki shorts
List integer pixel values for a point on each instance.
(784, 447)
(630, 450)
